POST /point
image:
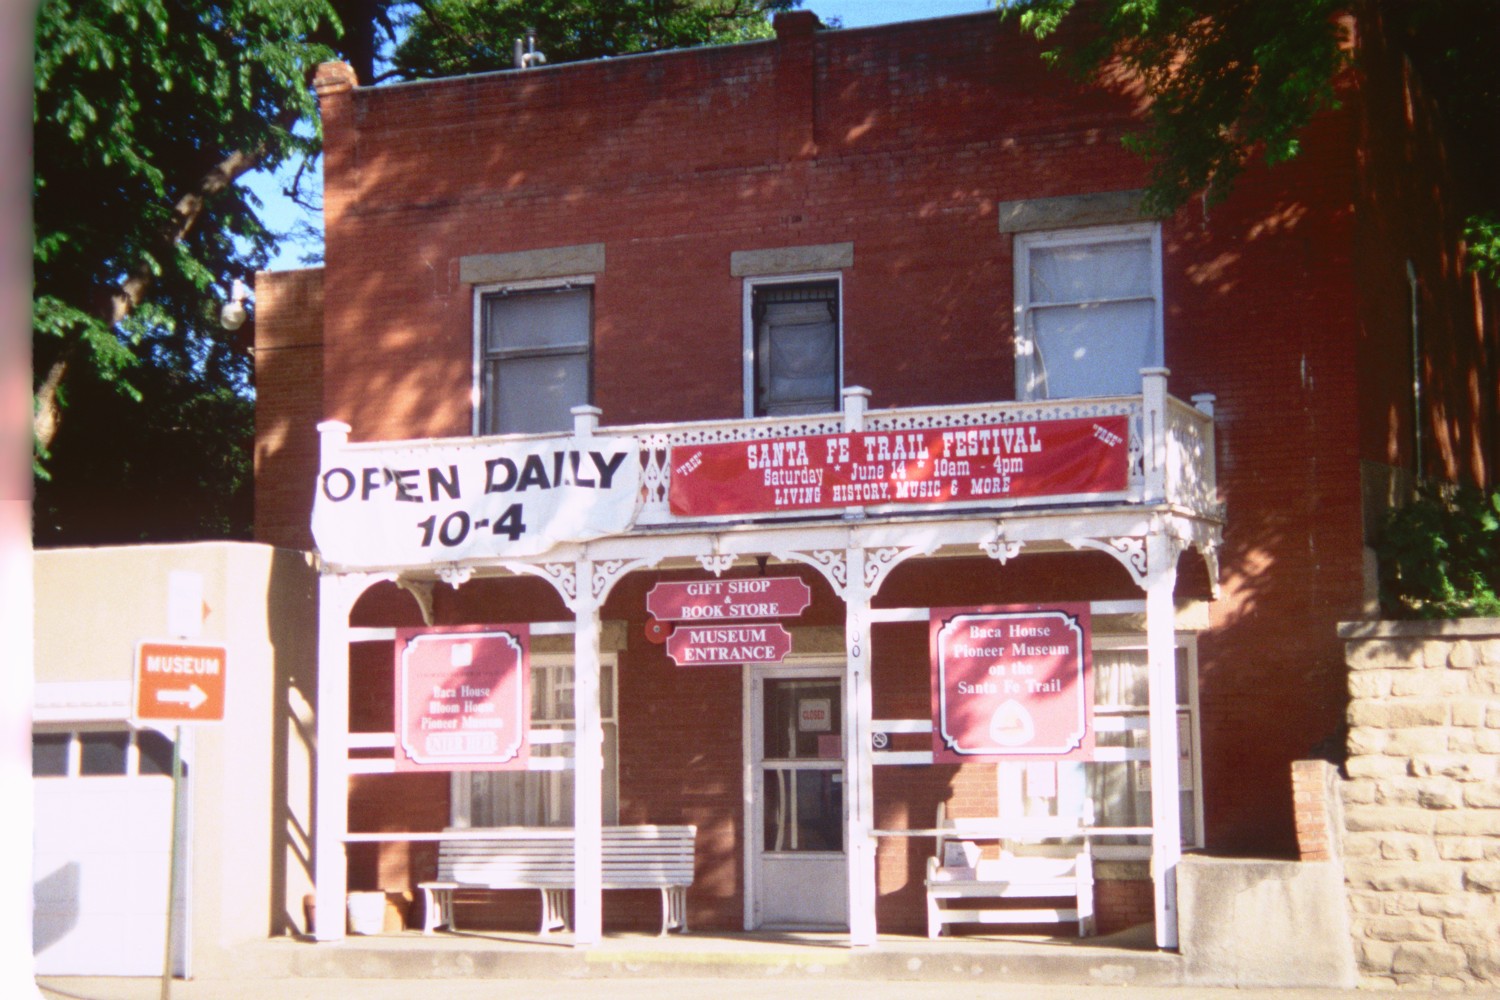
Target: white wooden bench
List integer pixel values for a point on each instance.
(635, 857)
(1035, 862)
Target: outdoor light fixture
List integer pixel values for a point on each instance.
(526, 55)
(234, 314)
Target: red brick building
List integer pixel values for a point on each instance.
(711, 247)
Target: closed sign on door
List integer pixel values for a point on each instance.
(815, 715)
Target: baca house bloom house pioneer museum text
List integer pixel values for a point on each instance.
(794, 485)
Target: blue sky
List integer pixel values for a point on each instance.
(281, 214)
(858, 13)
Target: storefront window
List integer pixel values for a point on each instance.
(1115, 793)
(543, 797)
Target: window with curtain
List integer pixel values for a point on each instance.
(534, 358)
(1121, 790)
(795, 347)
(1114, 793)
(1088, 311)
(543, 797)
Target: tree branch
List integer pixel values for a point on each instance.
(130, 293)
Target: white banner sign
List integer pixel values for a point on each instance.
(426, 505)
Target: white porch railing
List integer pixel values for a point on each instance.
(1171, 448)
(1169, 462)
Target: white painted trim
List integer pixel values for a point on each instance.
(80, 701)
(1023, 244)
(588, 776)
(376, 633)
(902, 725)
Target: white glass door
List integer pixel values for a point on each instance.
(801, 871)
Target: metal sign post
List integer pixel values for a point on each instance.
(173, 864)
(177, 683)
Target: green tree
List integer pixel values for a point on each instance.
(446, 37)
(146, 115)
(1230, 80)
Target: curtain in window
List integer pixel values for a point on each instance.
(797, 359)
(1120, 680)
(1091, 319)
(542, 798)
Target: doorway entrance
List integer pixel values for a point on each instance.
(799, 869)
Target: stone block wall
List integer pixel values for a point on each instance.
(1421, 837)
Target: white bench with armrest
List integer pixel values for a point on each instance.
(635, 857)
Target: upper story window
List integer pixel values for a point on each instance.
(1088, 310)
(535, 344)
(792, 351)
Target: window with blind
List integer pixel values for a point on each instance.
(543, 797)
(793, 363)
(534, 358)
(1088, 311)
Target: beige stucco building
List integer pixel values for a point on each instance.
(103, 785)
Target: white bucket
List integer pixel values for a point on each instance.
(366, 912)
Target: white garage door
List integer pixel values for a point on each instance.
(102, 851)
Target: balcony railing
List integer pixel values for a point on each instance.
(1171, 447)
(457, 500)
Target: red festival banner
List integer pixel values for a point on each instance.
(942, 465)
(1012, 683)
(463, 698)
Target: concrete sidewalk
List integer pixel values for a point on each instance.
(699, 966)
(672, 989)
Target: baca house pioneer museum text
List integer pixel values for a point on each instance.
(795, 485)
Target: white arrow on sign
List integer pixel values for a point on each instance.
(192, 697)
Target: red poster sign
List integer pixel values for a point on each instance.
(717, 645)
(179, 682)
(462, 698)
(1011, 682)
(752, 597)
(941, 465)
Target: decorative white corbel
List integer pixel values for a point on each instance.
(879, 563)
(1210, 553)
(829, 562)
(1128, 550)
(1000, 548)
(561, 575)
(421, 592)
(454, 574)
(716, 562)
(612, 571)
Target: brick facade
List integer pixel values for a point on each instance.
(908, 143)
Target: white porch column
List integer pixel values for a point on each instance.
(331, 815)
(859, 792)
(1161, 651)
(588, 766)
